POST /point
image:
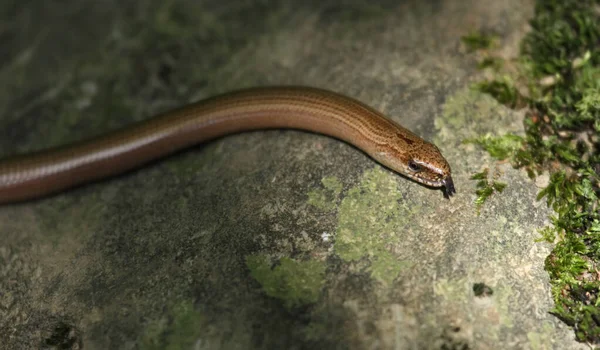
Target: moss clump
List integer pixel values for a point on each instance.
(562, 30)
(503, 90)
(485, 187)
(370, 221)
(180, 330)
(326, 199)
(478, 41)
(561, 61)
(294, 282)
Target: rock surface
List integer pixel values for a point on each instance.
(277, 239)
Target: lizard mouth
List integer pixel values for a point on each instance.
(449, 186)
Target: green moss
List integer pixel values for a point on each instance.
(179, 331)
(385, 267)
(371, 220)
(562, 31)
(485, 188)
(490, 62)
(503, 90)
(589, 106)
(478, 41)
(295, 283)
(333, 184)
(466, 114)
(561, 58)
(325, 199)
(499, 147)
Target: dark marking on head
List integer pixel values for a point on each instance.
(405, 139)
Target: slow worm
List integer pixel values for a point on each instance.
(30, 176)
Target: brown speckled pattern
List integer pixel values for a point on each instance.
(30, 176)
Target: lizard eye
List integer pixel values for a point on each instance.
(414, 166)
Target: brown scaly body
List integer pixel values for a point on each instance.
(30, 176)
